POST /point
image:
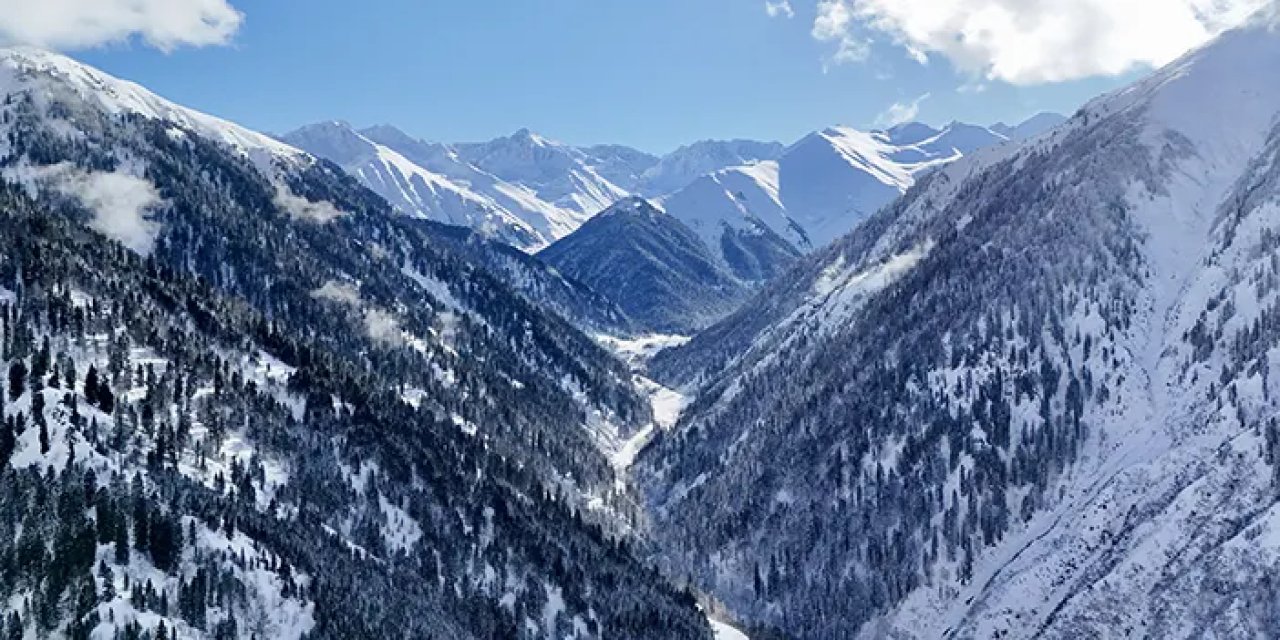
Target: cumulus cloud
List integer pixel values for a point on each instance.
(835, 24)
(303, 209)
(1032, 41)
(900, 112)
(779, 9)
(118, 202)
(78, 24)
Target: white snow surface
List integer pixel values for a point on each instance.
(823, 185)
(46, 75)
(725, 632)
(667, 404)
(1171, 496)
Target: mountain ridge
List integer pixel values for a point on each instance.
(291, 412)
(1027, 456)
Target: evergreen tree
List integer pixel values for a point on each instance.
(17, 379)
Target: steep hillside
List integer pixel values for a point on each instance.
(248, 399)
(540, 283)
(1030, 399)
(415, 189)
(655, 268)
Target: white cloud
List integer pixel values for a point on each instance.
(900, 112)
(118, 202)
(834, 24)
(384, 327)
(1033, 41)
(340, 292)
(322, 212)
(779, 9)
(77, 24)
(379, 325)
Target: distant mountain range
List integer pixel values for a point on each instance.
(823, 185)
(529, 191)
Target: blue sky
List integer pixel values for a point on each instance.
(652, 74)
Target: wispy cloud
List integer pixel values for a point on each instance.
(1030, 41)
(79, 24)
(779, 9)
(322, 212)
(835, 24)
(900, 112)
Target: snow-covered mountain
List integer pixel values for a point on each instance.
(58, 83)
(555, 173)
(1034, 398)
(529, 191)
(621, 165)
(246, 398)
(1032, 127)
(524, 189)
(450, 196)
(656, 269)
(690, 162)
(823, 185)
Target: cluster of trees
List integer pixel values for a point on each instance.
(232, 276)
(830, 468)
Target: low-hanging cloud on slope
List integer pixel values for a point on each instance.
(119, 204)
(1032, 41)
(78, 24)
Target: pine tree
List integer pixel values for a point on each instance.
(91, 387)
(8, 441)
(44, 437)
(121, 539)
(17, 379)
(41, 362)
(14, 628)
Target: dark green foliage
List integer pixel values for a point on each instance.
(233, 276)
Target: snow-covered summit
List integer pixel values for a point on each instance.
(822, 186)
(1039, 388)
(52, 76)
(554, 172)
(416, 189)
(684, 165)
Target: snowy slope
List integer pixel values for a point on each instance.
(47, 77)
(823, 185)
(623, 166)
(538, 169)
(690, 162)
(1033, 398)
(325, 419)
(524, 189)
(1030, 128)
(415, 189)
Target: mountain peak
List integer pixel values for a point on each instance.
(633, 205)
(1031, 127)
(911, 133)
(529, 137)
(52, 75)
